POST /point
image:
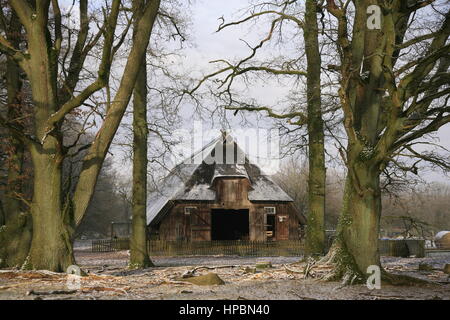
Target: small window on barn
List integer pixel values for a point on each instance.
(189, 210)
(269, 210)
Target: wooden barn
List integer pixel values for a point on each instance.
(218, 194)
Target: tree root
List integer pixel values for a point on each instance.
(343, 269)
(404, 280)
(309, 266)
(288, 270)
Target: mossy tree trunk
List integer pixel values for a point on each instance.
(139, 257)
(15, 236)
(356, 245)
(15, 240)
(378, 106)
(51, 246)
(361, 216)
(315, 232)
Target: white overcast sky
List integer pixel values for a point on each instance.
(209, 45)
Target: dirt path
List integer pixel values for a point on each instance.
(108, 278)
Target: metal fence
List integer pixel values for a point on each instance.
(208, 248)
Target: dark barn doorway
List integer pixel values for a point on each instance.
(229, 224)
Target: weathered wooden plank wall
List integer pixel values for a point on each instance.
(197, 226)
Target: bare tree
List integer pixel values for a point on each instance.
(56, 215)
(391, 94)
(139, 257)
(304, 21)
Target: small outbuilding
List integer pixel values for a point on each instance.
(442, 240)
(218, 194)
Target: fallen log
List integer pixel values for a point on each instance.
(293, 271)
(103, 289)
(47, 293)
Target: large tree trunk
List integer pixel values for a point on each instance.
(138, 242)
(2, 215)
(315, 232)
(12, 204)
(51, 246)
(356, 245)
(360, 218)
(15, 237)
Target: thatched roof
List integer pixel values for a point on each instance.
(192, 180)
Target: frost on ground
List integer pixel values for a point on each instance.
(108, 278)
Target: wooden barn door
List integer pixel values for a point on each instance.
(200, 225)
(257, 230)
(282, 224)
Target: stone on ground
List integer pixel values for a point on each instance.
(209, 279)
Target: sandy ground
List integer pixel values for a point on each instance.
(108, 278)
